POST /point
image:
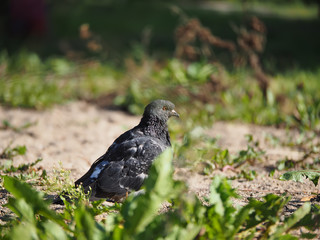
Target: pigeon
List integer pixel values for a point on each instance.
(125, 165)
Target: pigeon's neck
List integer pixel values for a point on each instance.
(155, 127)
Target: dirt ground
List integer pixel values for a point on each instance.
(78, 133)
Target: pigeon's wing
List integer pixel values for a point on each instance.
(127, 173)
(101, 161)
(85, 179)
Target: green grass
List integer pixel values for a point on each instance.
(138, 217)
(136, 74)
(136, 71)
(27, 81)
(292, 99)
(237, 97)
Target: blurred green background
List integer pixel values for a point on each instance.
(249, 61)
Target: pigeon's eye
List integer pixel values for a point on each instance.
(164, 108)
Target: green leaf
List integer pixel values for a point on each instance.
(20, 150)
(51, 230)
(10, 153)
(286, 237)
(22, 209)
(200, 72)
(291, 221)
(312, 220)
(298, 176)
(221, 214)
(240, 218)
(267, 210)
(22, 191)
(86, 227)
(25, 231)
(187, 233)
(140, 210)
(220, 194)
(308, 235)
(140, 213)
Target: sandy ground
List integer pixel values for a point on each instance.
(76, 134)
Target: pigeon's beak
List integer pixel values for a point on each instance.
(174, 113)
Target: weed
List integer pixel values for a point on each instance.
(206, 153)
(204, 91)
(10, 153)
(248, 175)
(307, 115)
(251, 154)
(285, 164)
(7, 125)
(22, 167)
(34, 83)
(306, 142)
(300, 175)
(271, 139)
(58, 181)
(138, 218)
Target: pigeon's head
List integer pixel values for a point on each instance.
(162, 109)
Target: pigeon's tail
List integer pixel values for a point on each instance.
(58, 200)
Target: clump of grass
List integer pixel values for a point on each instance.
(202, 153)
(202, 91)
(25, 171)
(306, 142)
(28, 81)
(8, 125)
(10, 152)
(138, 218)
(59, 180)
